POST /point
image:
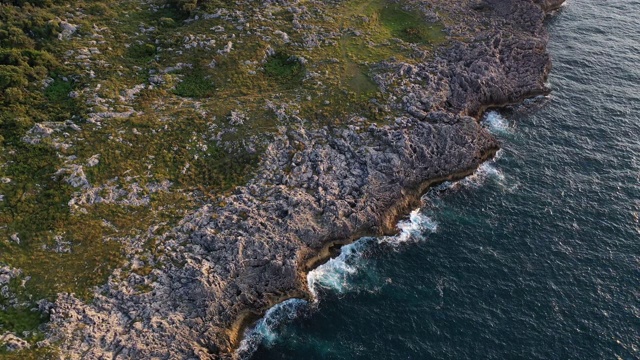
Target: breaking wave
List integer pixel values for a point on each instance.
(339, 275)
(414, 229)
(336, 274)
(496, 123)
(266, 329)
(487, 171)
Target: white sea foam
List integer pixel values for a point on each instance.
(486, 171)
(336, 274)
(496, 123)
(266, 329)
(413, 229)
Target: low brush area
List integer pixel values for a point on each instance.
(117, 119)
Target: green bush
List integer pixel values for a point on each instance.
(185, 5)
(12, 36)
(99, 9)
(195, 85)
(12, 76)
(144, 52)
(20, 319)
(409, 26)
(284, 68)
(13, 95)
(58, 91)
(167, 22)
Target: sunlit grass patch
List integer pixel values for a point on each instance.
(359, 81)
(47, 353)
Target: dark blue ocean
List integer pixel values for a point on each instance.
(536, 256)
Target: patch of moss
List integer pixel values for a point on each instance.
(359, 81)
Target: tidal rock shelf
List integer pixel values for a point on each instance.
(227, 263)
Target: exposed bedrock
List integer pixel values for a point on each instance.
(229, 262)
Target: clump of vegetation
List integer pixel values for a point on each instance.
(284, 68)
(18, 320)
(20, 67)
(58, 91)
(220, 170)
(409, 26)
(195, 84)
(167, 22)
(23, 319)
(99, 9)
(46, 353)
(185, 5)
(144, 52)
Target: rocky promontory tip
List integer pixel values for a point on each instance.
(550, 5)
(240, 253)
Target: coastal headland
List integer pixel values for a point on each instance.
(229, 146)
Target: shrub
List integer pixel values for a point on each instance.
(144, 52)
(58, 91)
(195, 85)
(185, 5)
(409, 26)
(284, 68)
(12, 76)
(167, 22)
(99, 9)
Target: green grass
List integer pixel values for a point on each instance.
(99, 9)
(47, 353)
(359, 81)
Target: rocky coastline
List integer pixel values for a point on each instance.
(226, 264)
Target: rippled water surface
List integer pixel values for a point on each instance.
(536, 256)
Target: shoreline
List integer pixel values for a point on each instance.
(317, 190)
(249, 319)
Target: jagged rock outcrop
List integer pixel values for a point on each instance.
(227, 263)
